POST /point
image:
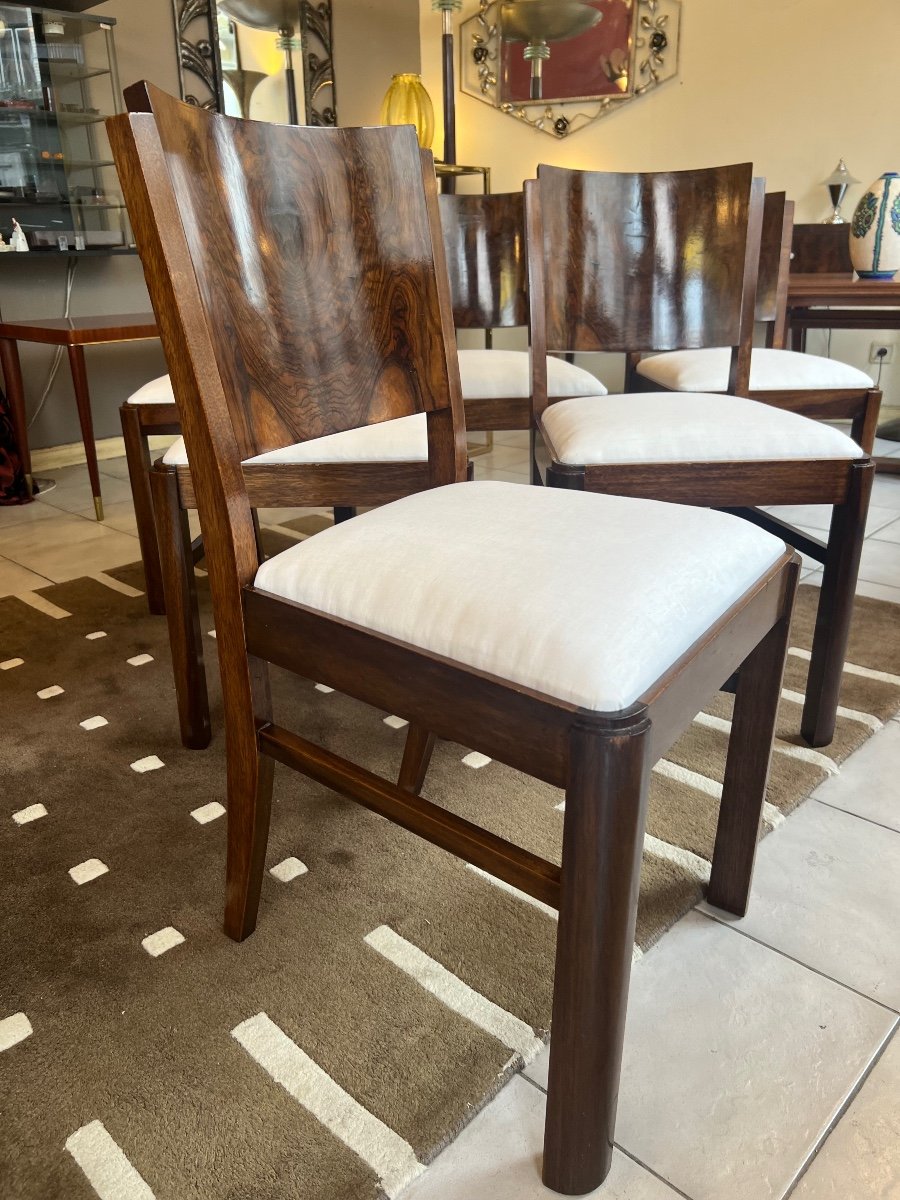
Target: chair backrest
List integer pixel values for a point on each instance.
(635, 262)
(298, 281)
(484, 243)
(774, 266)
(823, 248)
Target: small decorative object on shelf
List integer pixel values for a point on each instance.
(406, 102)
(875, 229)
(58, 81)
(837, 183)
(18, 240)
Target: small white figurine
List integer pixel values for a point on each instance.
(18, 240)
(4, 249)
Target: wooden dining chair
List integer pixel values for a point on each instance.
(627, 261)
(571, 636)
(819, 387)
(484, 244)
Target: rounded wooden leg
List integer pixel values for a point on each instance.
(603, 835)
(838, 591)
(182, 612)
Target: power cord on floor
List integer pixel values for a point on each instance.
(57, 357)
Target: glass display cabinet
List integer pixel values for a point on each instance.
(58, 83)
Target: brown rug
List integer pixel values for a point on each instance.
(208, 1070)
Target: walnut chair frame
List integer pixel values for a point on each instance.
(303, 189)
(620, 304)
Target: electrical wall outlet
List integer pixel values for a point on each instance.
(881, 352)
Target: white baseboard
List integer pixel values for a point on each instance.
(52, 458)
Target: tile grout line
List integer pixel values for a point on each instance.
(618, 1146)
(859, 816)
(841, 1112)
(815, 970)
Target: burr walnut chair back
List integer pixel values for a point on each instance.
(484, 242)
(654, 261)
(274, 289)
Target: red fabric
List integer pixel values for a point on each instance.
(13, 489)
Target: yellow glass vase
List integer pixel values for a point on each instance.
(407, 103)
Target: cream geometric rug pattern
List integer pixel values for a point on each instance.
(389, 990)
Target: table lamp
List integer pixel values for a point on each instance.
(837, 183)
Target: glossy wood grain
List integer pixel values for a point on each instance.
(644, 261)
(818, 247)
(602, 758)
(484, 241)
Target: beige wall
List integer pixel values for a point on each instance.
(373, 40)
(791, 85)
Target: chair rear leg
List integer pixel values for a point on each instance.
(248, 706)
(137, 458)
(747, 767)
(182, 611)
(416, 758)
(606, 801)
(832, 631)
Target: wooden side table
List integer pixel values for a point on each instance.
(74, 333)
(841, 300)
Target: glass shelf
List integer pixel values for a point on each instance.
(59, 84)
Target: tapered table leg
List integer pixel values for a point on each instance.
(83, 400)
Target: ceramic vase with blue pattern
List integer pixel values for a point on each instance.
(875, 229)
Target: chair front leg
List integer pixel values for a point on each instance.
(832, 631)
(606, 801)
(137, 458)
(756, 700)
(248, 707)
(182, 611)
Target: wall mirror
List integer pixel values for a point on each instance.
(561, 64)
(270, 60)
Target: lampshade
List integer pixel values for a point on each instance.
(406, 102)
(837, 183)
(262, 14)
(839, 176)
(546, 20)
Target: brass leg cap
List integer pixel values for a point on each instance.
(98, 507)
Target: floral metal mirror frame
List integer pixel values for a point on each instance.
(206, 60)
(559, 65)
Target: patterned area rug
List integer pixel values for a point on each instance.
(388, 991)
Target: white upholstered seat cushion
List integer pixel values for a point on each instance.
(506, 374)
(770, 371)
(402, 440)
(157, 391)
(670, 427)
(583, 597)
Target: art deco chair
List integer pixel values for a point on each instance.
(484, 244)
(572, 636)
(669, 260)
(819, 387)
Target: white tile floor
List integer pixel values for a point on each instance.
(762, 1057)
